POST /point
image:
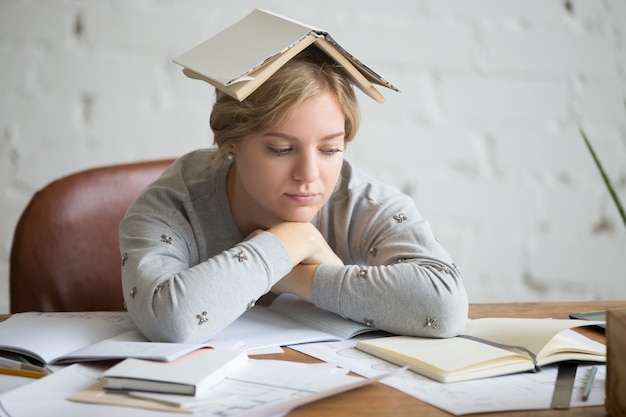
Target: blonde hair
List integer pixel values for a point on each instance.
(308, 74)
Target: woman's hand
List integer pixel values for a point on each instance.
(308, 249)
(305, 244)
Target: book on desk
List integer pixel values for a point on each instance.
(61, 338)
(489, 347)
(192, 374)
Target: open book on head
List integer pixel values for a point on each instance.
(243, 56)
(490, 347)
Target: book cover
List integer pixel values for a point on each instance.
(240, 58)
(193, 374)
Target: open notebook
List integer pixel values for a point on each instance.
(489, 347)
(54, 338)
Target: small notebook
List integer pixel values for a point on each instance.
(193, 374)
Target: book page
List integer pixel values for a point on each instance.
(133, 344)
(317, 318)
(353, 72)
(570, 345)
(533, 334)
(447, 360)
(261, 328)
(50, 336)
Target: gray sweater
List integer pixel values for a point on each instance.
(187, 273)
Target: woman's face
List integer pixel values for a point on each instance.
(288, 172)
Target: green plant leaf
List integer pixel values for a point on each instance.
(605, 177)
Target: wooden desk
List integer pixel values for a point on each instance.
(380, 400)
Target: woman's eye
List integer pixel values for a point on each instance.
(331, 151)
(279, 151)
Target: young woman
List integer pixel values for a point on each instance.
(276, 208)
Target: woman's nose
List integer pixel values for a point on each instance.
(306, 168)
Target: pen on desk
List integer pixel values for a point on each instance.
(589, 383)
(23, 372)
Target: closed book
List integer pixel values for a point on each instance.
(192, 374)
(489, 347)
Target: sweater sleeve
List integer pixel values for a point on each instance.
(397, 277)
(172, 295)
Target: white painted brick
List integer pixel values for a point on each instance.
(11, 207)
(420, 153)
(498, 206)
(571, 260)
(38, 119)
(42, 129)
(4, 285)
(442, 44)
(99, 73)
(21, 113)
(484, 247)
(516, 101)
(146, 29)
(52, 160)
(531, 10)
(593, 15)
(566, 211)
(13, 71)
(543, 156)
(529, 13)
(417, 101)
(616, 11)
(145, 133)
(34, 21)
(420, 43)
(603, 101)
(548, 52)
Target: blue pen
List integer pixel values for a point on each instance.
(589, 384)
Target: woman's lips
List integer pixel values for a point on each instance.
(302, 198)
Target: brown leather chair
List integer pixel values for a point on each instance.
(65, 254)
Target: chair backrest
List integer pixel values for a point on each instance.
(65, 253)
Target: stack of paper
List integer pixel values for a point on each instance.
(262, 387)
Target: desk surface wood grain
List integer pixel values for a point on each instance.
(378, 400)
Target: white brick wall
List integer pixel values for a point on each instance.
(484, 134)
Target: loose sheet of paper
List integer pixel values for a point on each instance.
(264, 388)
(9, 382)
(262, 328)
(524, 391)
